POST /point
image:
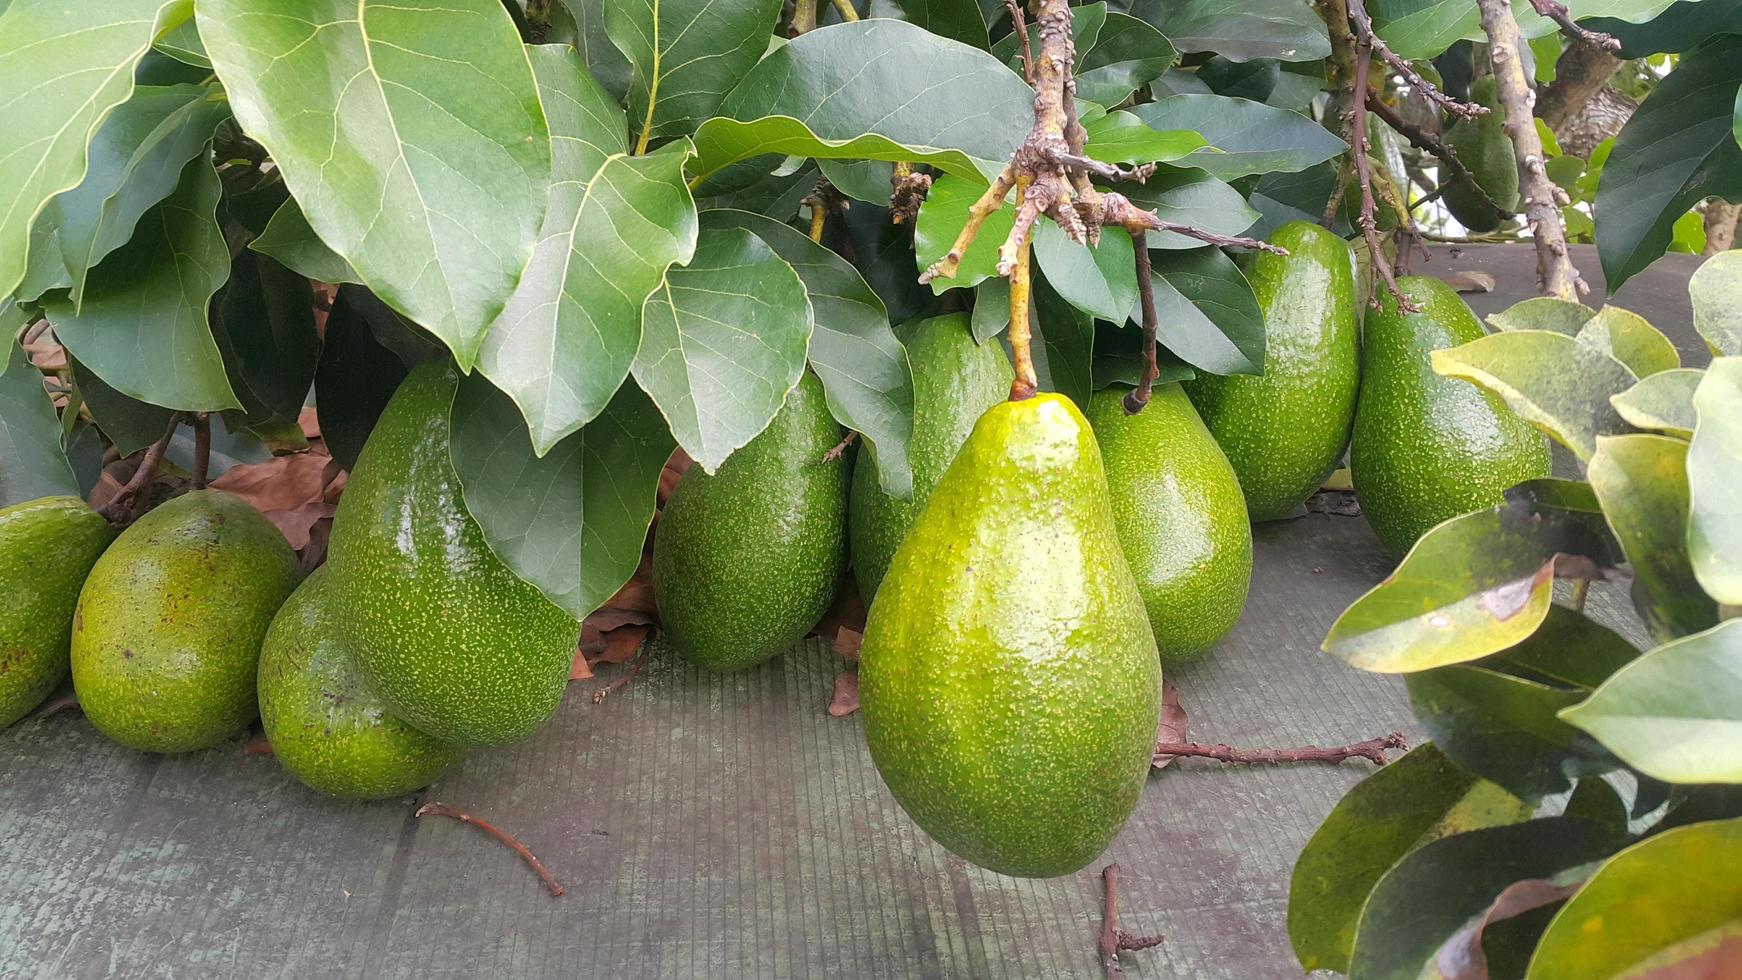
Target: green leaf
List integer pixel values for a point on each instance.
(1551, 380)
(723, 340)
(1629, 338)
(411, 136)
(572, 522)
(355, 378)
(289, 239)
(958, 20)
(1191, 197)
(1642, 482)
(1472, 586)
(1127, 55)
(941, 217)
(1282, 29)
(1100, 280)
(32, 462)
(854, 352)
(1663, 401)
(1064, 343)
(1244, 137)
(874, 90)
(1675, 714)
(1714, 466)
(143, 326)
(63, 68)
(1543, 313)
(264, 326)
(604, 62)
(129, 423)
(1663, 893)
(1205, 311)
(1436, 890)
(1677, 148)
(1120, 137)
(1417, 799)
(684, 55)
(183, 43)
(1419, 29)
(1716, 293)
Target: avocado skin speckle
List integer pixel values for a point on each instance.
(1285, 429)
(745, 561)
(1428, 448)
(325, 725)
(445, 633)
(1008, 679)
(167, 633)
(954, 381)
(1180, 516)
(47, 547)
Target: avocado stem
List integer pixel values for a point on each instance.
(434, 808)
(1021, 335)
(1114, 939)
(202, 424)
(1372, 749)
(118, 509)
(1138, 397)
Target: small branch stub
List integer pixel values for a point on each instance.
(1112, 939)
(1558, 13)
(438, 809)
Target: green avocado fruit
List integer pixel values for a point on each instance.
(1180, 517)
(954, 381)
(167, 634)
(324, 723)
(747, 559)
(1482, 146)
(1428, 448)
(1008, 678)
(1285, 429)
(444, 633)
(47, 547)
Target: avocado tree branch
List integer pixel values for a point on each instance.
(1019, 24)
(438, 809)
(1557, 12)
(804, 17)
(1363, 25)
(845, 9)
(1138, 397)
(1542, 199)
(1372, 749)
(1112, 939)
(117, 510)
(1381, 266)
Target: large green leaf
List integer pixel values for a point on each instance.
(862, 366)
(1100, 280)
(723, 340)
(32, 462)
(1715, 482)
(135, 159)
(1419, 29)
(1120, 137)
(941, 217)
(684, 56)
(1551, 380)
(1417, 799)
(1283, 29)
(1244, 137)
(1191, 197)
(143, 325)
(1472, 586)
(1434, 891)
(1662, 893)
(289, 239)
(604, 62)
(412, 137)
(1127, 54)
(958, 20)
(1716, 293)
(63, 68)
(1543, 313)
(129, 423)
(1681, 27)
(1675, 714)
(1642, 482)
(356, 376)
(1631, 339)
(874, 89)
(1663, 402)
(572, 522)
(1206, 312)
(1677, 148)
(264, 325)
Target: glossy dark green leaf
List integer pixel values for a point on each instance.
(1191, 197)
(724, 339)
(183, 43)
(1244, 137)
(63, 68)
(412, 137)
(1676, 149)
(1679, 28)
(1569, 650)
(684, 55)
(1715, 482)
(128, 422)
(1631, 339)
(1716, 293)
(1281, 29)
(1424, 28)
(958, 20)
(32, 462)
(882, 251)
(264, 325)
(143, 325)
(354, 380)
(1642, 481)
(1120, 137)
(604, 62)
(1543, 313)
(1205, 311)
(572, 522)
(1127, 54)
(1100, 280)
(1283, 197)
(1663, 402)
(289, 239)
(1266, 81)
(854, 352)
(1553, 381)
(1419, 798)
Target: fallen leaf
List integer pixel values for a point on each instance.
(847, 612)
(1171, 727)
(580, 671)
(1470, 282)
(1462, 956)
(607, 618)
(847, 643)
(637, 593)
(675, 468)
(845, 699)
(315, 553)
(621, 644)
(310, 422)
(290, 490)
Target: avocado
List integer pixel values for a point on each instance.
(1179, 515)
(954, 381)
(1482, 146)
(745, 561)
(1008, 678)
(47, 547)
(444, 633)
(1428, 448)
(168, 628)
(324, 723)
(1284, 430)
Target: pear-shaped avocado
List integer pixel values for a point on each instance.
(1180, 517)
(47, 547)
(1284, 430)
(1008, 678)
(1428, 448)
(167, 633)
(324, 723)
(745, 561)
(1482, 146)
(447, 635)
(954, 381)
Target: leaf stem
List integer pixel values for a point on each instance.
(117, 510)
(1138, 397)
(845, 9)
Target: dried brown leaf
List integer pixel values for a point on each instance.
(845, 699)
(1171, 727)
